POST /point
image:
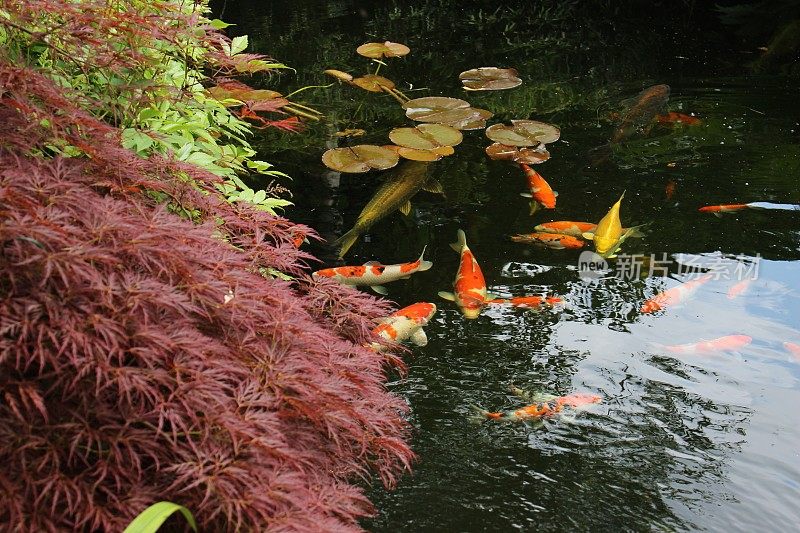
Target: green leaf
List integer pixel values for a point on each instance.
(135, 139)
(238, 44)
(200, 159)
(154, 516)
(220, 25)
(259, 197)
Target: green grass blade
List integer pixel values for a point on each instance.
(154, 516)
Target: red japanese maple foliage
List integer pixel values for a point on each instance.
(144, 358)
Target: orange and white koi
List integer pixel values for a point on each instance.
(557, 241)
(672, 117)
(548, 407)
(405, 325)
(675, 295)
(717, 210)
(527, 301)
(540, 192)
(373, 273)
(470, 293)
(721, 344)
(739, 288)
(794, 349)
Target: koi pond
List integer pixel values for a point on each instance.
(698, 420)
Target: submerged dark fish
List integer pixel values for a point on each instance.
(394, 194)
(644, 108)
(640, 115)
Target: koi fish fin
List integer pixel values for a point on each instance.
(447, 295)
(462, 242)
(717, 214)
(424, 265)
(479, 415)
(588, 235)
(491, 296)
(405, 208)
(636, 231)
(434, 186)
(526, 195)
(419, 338)
(380, 289)
(534, 207)
(370, 263)
(347, 240)
(555, 193)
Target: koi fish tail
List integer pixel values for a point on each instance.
(424, 265)
(462, 241)
(347, 240)
(479, 415)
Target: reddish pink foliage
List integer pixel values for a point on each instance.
(126, 378)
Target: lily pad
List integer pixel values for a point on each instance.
(373, 83)
(426, 136)
(414, 154)
(489, 79)
(385, 49)
(338, 74)
(523, 133)
(476, 121)
(529, 156)
(360, 158)
(431, 108)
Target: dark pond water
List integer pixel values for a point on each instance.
(680, 441)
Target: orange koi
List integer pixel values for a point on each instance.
(717, 210)
(548, 408)
(577, 229)
(566, 227)
(739, 289)
(541, 193)
(675, 295)
(373, 273)
(470, 287)
(672, 117)
(669, 190)
(794, 349)
(557, 241)
(721, 344)
(405, 325)
(298, 238)
(527, 301)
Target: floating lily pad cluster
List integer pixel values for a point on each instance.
(445, 110)
(442, 118)
(489, 79)
(524, 141)
(426, 142)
